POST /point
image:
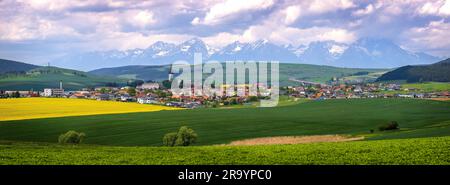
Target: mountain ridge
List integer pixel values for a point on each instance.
(364, 53)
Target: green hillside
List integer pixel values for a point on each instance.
(321, 74)
(438, 72)
(49, 77)
(9, 66)
(424, 151)
(155, 73)
(417, 118)
(306, 72)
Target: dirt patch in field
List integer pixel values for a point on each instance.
(441, 99)
(294, 140)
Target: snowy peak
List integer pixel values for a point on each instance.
(259, 44)
(192, 46)
(364, 53)
(159, 49)
(232, 48)
(159, 46)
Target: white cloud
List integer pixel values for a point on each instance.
(222, 39)
(322, 6)
(338, 35)
(337, 49)
(282, 35)
(366, 11)
(131, 40)
(292, 14)
(195, 21)
(432, 37)
(230, 8)
(142, 18)
(297, 36)
(122, 24)
(439, 8)
(445, 9)
(31, 28)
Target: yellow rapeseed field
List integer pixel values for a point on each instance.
(31, 108)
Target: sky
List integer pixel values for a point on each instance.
(37, 31)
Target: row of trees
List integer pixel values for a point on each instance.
(13, 95)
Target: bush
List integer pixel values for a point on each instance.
(169, 139)
(184, 137)
(393, 125)
(71, 137)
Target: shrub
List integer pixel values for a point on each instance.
(169, 139)
(184, 137)
(393, 125)
(71, 137)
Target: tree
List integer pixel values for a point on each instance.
(169, 139)
(71, 137)
(393, 125)
(134, 83)
(167, 84)
(184, 137)
(103, 90)
(16, 94)
(131, 91)
(253, 98)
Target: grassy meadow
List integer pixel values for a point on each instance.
(418, 118)
(428, 86)
(30, 128)
(432, 151)
(32, 108)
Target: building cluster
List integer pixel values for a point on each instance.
(155, 93)
(363, 90)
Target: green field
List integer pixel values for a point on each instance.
(426, 87)
(429, 86)
(430, 151)
(417, 118)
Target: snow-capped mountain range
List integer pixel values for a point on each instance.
(364, 53)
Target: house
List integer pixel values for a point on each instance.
(357, 89)
(147, 100)
(192, 105)
(405, 96)
(21, 93)
(53, 92)
(148, 86)
(126, 98)
(174, 104)
(102, 97)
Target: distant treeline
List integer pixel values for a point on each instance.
(438, 72)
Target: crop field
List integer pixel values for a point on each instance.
(32, 108)
(429, 86)
(429, 151)
(425, 87)
(417, 118)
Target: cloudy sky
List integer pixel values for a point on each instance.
(36, 31)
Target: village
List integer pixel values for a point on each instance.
(359, 90)
(158, 93)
